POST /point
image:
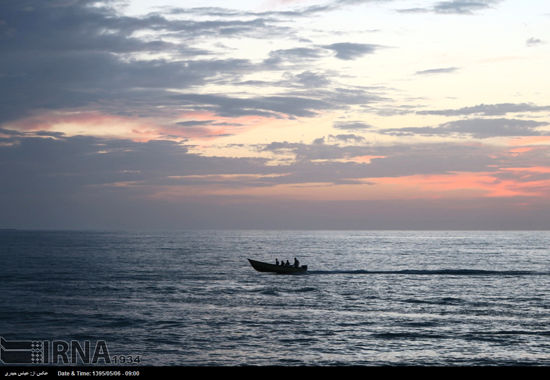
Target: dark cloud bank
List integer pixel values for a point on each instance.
(70, 54)
(88, 182)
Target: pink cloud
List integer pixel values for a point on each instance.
(193, 125)
(92, 123)
(470, 184)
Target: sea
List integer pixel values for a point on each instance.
(369, 298)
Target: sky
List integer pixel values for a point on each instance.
(284, 114)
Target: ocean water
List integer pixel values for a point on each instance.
(420, 298)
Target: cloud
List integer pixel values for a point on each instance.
(84, 166)
(299, 55)
(349, 50)
(311, 10)
(68, 54)
(532, 41)
(67, 166)
(462, 7)
(98, 182)
(268, 14)
(96, 108)
(195, 123)
(441, 70)
(306, 102)
(391, 161)
(413, 10)
(266, 106)
(294, 55)
(82, 56)
(352, 125)
(319, 150)
(489, 109)
(477, 128)
(342, 97)
(308, 79)
(347, 138)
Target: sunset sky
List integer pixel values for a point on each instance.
(346, 114)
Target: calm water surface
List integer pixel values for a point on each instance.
(370, 298)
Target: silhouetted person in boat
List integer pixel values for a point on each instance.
(276, 261)
(296, 263)
(287, 263)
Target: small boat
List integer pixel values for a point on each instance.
(260, 266)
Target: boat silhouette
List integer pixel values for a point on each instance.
(261, 266)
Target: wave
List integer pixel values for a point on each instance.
(442, 272)
(272, 291)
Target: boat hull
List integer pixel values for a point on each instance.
(260, 266)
